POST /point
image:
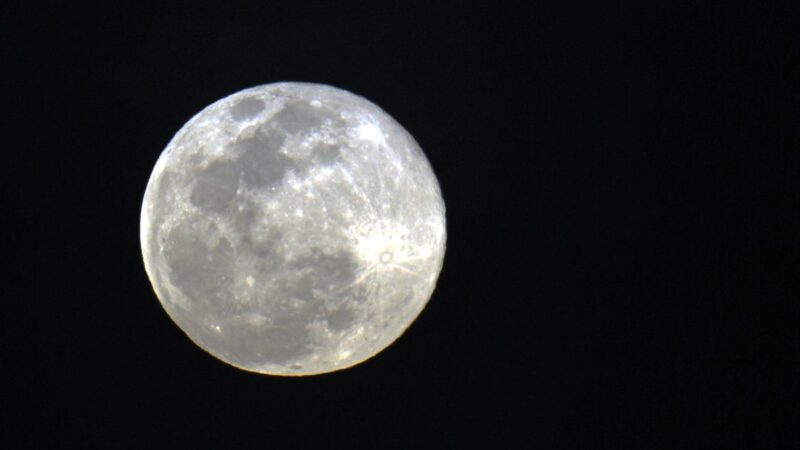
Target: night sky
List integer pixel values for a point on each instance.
(621, 183)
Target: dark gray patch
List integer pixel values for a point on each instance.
(300, 167)
(401, 306)
(200, 272)
(326, 154)
(321, 272)
(284, 337)
(261, 163)
(328, 271)
(265, 250)
(298, 116)
(256, 343)
(358, 294)
(245, 217)
(216, 186)
(341, 319)
(247, 108)
(265, 138)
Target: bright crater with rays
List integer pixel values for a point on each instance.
(293, 229)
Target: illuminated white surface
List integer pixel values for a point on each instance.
(293, 229)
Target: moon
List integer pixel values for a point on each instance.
(293, 229)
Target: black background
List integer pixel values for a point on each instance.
(622, 209)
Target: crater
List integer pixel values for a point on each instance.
(247, 108)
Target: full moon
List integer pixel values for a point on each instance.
(293, 229)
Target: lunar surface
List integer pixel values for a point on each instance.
(293, 229)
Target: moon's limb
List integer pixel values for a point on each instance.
(293, 229)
